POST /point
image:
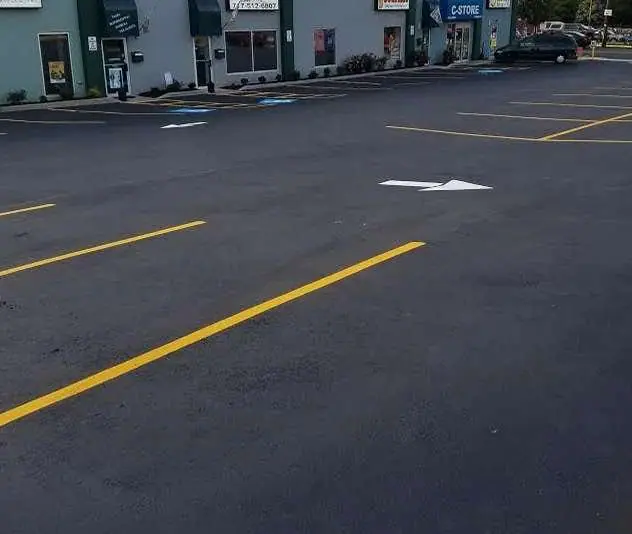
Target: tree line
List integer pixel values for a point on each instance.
(537, 11)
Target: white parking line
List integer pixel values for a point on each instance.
(23, 121)
(592, 94)
(351, 82)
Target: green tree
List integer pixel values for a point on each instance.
(621, 12)
(534, 11)
(564, 10)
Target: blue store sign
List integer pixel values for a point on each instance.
(461, 9)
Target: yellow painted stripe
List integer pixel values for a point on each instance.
(585, 127)
(525, 117)
(98, 248)
(567, 105)
(26, 210)
(112, 373)
(462, 134)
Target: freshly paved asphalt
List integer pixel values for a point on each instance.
(479, 384)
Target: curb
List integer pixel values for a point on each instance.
(83, 102)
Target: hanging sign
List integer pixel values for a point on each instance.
(498, 4)
(461, 9)
(254, 5)
(20, 4)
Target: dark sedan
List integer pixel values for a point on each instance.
(557, 47)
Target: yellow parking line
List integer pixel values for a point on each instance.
(593, 95)
(351, 82)
(462, 134)
(592, 124)
(128, 366)
(567, 105)
(122, 113)
(25, 210)
(526, 117)
(97, 248)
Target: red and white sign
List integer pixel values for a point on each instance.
(388, 5)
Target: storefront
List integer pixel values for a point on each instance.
(329, 31)
(39, 50)
(469, 29)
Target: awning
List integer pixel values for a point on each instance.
(430, 12)
(120, 18)
(205, 18)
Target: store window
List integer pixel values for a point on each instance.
(251, 51)
(56, 66)
(393, 42)
(324, 47)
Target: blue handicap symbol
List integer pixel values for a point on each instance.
(275, 101)
(491, 71)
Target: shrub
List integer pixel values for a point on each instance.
(244, 81)
(341, 70)
(312, 74)
(43, 99)
(368, 62)
(262, 79)
(353, 64)
(94, 92)
(279, 78)
(174, 87)
(447, 57)
(326, 72)
(418, 58)
(398, 64)
(192, 85)
(380, 63)
(16, 97)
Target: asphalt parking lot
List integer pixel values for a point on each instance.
(405, 309)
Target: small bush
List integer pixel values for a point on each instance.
(418, 58)
(368, 62)
(279, 78)
(312, 74)
(380, 63)
(244, 81)
(94, 92)
(262, 79)
(16, 97)
(341, 70)
(192, 86)
(398, 64)
(326, 72)
(174, 87)
(43, 99)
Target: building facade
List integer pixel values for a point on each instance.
(74, 47)
(469, 29)
(40, 49)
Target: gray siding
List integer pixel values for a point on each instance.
(359, 28)
(19, 46)
(168, 46)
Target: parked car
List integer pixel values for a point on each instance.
(582, 40)
(551, 46)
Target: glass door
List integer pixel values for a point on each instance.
(202, 60)
(465, 47)
(115, 65)
(56, 66)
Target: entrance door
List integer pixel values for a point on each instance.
(115, 65)
(202, 52)
(460, 40)
(56, 64)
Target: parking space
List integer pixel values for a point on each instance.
(189, 105)
(591, 114)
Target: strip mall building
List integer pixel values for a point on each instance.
(107, 45)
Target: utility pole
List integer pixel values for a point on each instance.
(590, 13)
(605, 25)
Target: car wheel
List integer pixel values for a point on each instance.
(560, 59)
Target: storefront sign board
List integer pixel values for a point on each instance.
(498, 4)
(254, 5)
(461, 9)
(392, 5)
(20, 4)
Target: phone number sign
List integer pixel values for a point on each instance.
(20, 3)
(254, 5)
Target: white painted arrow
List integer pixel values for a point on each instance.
(404, 183)
(452, 185)
(457, 185)
(185, 125)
